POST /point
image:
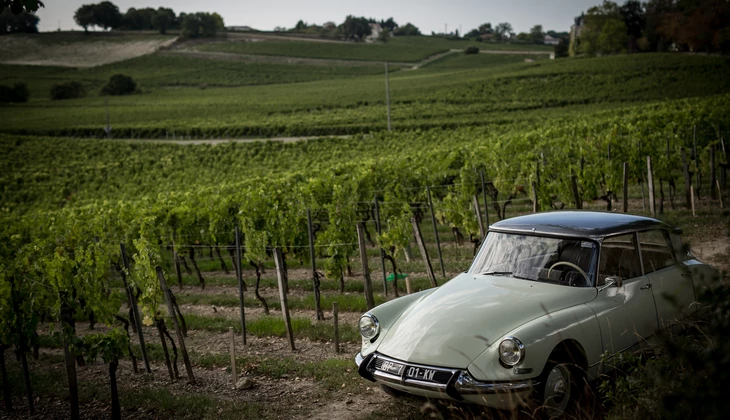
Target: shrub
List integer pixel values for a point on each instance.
(68, 90)
(471, 50)
(119, 84)
(18, 93)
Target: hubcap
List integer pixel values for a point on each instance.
(557, 390)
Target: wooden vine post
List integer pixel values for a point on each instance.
(478, 214)
(719, 193)
(282, 297)
(650, 180)
(176, 260)
(484, 195)
(692, 200)
(436, 231)
(234, 377)
(131, 293)
(687, 183)
(576, 196)
(163, 340)
(239, 274)
(424, 252)
(335, 317)
(713, 175)
(176, 323)
(315, 276)
(626, 187)
(382, 252)
(367, 281)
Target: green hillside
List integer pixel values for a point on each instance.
(424, 98)
(398, 49)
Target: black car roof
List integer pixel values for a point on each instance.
(578, 223)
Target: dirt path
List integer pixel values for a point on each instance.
(273, 37)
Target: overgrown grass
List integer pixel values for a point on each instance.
(273, 326)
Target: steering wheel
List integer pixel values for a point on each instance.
(569, 264)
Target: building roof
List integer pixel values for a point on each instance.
(578, 223)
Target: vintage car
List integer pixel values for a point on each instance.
(547, 298)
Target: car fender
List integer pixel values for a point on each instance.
(540, 337)
(387, 314)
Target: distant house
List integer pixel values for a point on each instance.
(487, 37)
(375, 30)
(548, 40)
(239, 28)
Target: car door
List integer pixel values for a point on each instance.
(670, 280)
(626, 313)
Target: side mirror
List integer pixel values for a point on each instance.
(611, 281)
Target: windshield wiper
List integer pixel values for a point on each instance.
(497, 273)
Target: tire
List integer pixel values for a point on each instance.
(559, 388)
(391, 391)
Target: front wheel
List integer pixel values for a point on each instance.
(558, 390)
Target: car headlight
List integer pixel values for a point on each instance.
(511, 351)
(369, 326)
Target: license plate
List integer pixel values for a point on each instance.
(393, 368)
(421, 374)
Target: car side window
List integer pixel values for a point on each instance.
(657, 251)
(619, 258)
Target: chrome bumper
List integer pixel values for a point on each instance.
(460, 383)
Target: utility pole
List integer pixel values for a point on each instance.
(387, 92)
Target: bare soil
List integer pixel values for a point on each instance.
(29, 51)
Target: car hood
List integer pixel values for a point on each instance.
(458, 321)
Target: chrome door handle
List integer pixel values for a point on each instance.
(646, 286)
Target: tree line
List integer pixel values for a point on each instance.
(657, 25)
(354, 28)
(106, 15)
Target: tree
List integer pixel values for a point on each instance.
(502, 30)
(523, 37)
(23, 22)
(67, 90)
(561, 50)
(18, 93)
(537, 36)
(390, 24)
(634, 16)
(384, 35)
(163, 19)
(606, 16)
(84, 16)
(200, 24)
(119, 84)
(486, 28)
(19, 6)
(356, 28)
(107, 15)
(474, 33)
(407, 30)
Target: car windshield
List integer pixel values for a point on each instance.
(565, 261)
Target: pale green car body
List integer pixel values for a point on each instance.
(458, 326)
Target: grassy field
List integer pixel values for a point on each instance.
(398, 49)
